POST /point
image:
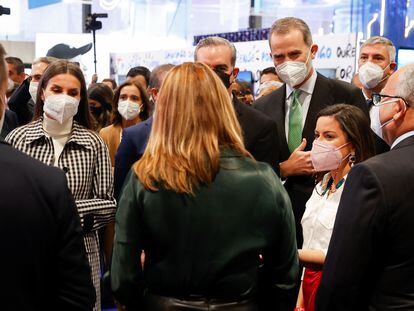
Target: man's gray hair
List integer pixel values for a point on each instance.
(216, 41)
(285, 25)
(405, 87)
(47, 60)
(158, 74)
(383, 41)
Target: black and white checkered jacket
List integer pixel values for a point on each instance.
(85, 160)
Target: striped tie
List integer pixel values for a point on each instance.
(295, 122)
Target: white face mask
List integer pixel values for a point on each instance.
(61, 107)
(10, 85)
(293, 72)
(129, 110)
(33, 90)
(376, 125)
(371, 75)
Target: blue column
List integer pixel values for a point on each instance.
(394, 23)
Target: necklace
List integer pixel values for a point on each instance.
(338, 185)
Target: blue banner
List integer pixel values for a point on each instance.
(39, 3)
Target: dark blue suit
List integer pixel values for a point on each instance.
(132, 147)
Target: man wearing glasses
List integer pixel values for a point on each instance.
(370, 261)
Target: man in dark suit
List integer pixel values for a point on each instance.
(376, 64)
(370, 260)
(43, 260)
(135, 138)
(10, 123)
(132, 147)
(295, 105)
(259, 131)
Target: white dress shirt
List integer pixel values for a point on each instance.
(304, 98)
(401, 138)
(319, 217)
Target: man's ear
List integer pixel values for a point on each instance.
(401, 109)
(153, 92)
(235, 72)
(314, 49)
(393, 66)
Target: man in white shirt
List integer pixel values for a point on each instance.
(295, 106)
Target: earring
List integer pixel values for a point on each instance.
(352, 159)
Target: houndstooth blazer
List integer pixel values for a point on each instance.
(85, 160)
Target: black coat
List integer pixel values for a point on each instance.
(43, 257)
(326, 92)
(259, 134)
(370, 261)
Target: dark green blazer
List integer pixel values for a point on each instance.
(208, 244)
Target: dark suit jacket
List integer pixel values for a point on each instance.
(43, 257)
(133, 143)
(22, 104)
(326, 92)
(259, 133)
(370, 261)
(10, 123)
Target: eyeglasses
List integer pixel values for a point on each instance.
(376, 99)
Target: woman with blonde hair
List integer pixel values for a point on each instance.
(200, 207)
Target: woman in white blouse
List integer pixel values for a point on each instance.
(342, 138)
(60, 135)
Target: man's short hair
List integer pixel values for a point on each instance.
(217, 41)
(405, 87)
(156, 75)
(268, 70)
(17, 63)
(140, 71)
(285, 25)
(383, 41)
(46, 60)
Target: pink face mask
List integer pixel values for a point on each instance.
(326, 157)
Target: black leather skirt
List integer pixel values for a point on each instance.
(162, 303)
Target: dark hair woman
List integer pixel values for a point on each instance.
(60, 135)
(131, 106)
(100, 98)
(342, 138)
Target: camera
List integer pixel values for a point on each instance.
(92, 24)
(4, 11)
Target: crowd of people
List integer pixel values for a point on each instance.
(192, 193)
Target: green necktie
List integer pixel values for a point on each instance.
(295, 122)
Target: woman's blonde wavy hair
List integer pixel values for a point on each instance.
(194, 118)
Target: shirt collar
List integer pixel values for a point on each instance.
(35, 131)
(401, 138)
(307, 87)
(365, 95)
